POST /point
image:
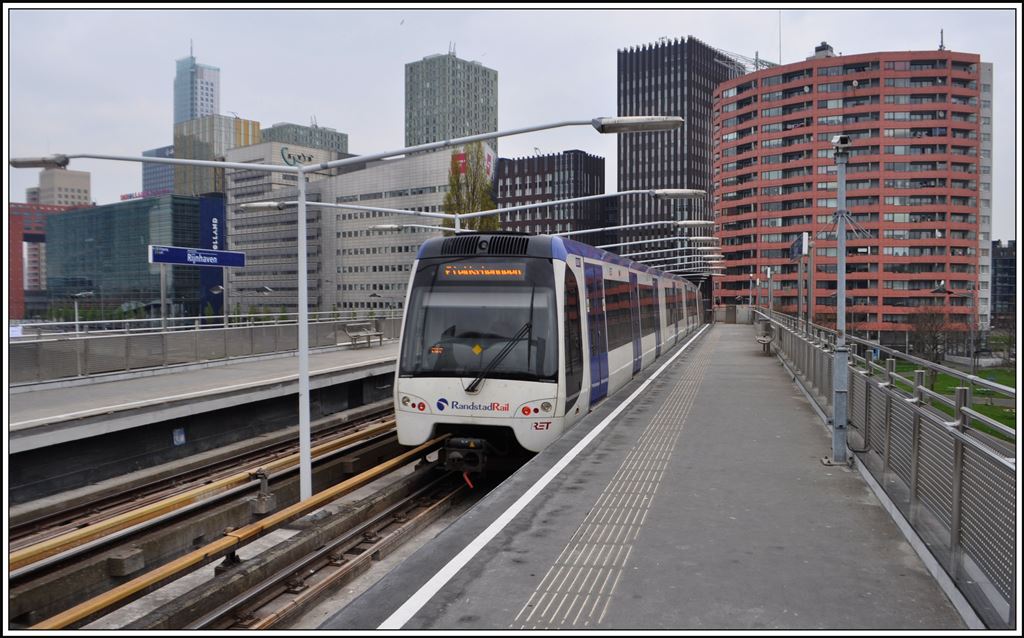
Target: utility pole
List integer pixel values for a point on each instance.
(840, 372)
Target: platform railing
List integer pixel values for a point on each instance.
(949, 469)
(68, 357)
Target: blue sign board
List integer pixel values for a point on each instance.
(212, 236)
(195, 257)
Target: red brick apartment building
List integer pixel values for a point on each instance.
(918, 184)
(26, 255)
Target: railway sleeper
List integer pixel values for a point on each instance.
(207, 597)
(41, 595)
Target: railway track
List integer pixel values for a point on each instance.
(43, 537)
(32, 527)
(285, 594)
(231, 540)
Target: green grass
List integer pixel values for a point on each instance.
(1006, 416)
(946, 385)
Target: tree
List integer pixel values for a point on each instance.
(469, 189)
(1004, 333)
(928, 334)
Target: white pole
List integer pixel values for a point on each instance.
(224, 292)
(163, 296)
(305, 454)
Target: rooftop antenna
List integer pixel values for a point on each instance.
(942, 41)
(780, 36)
(190, 47)
(313, 120)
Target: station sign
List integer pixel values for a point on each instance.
(195, 257)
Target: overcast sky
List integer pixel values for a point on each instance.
(100, 81)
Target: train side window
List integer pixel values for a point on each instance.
(573, 341)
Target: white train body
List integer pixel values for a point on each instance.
(511, 337)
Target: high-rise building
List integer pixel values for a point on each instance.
(371, 268)
(320, 137)
(915, 184)
(103, 249)
(208, 138)
(528, 180)
(351, 265)
(157, 179)
(1004, 280)
(446, 97)
(26, 272)
(267, 236)
(61, 187)
(196, 90)
(669, 77)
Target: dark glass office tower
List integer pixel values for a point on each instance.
(669, 77)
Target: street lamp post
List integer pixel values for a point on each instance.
(76, 297)
(840, 371)
(972, 347)
(645, 123)
(223, 290)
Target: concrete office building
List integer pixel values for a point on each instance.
(196, 90)
(308, 136)
(350, 265)
(446, 97)
(529, 180)
(917, 184)
(208, 138)
(371, 262)
(158, 179)
(61, 187)
(267, 236)
(669, 77)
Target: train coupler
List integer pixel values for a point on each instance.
(463, 454)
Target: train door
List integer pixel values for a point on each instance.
(656, 314)
(683, 299)
(677, 293)
(597, 331)
(634, 312)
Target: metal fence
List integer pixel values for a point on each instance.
(949, 469)
(69, 356)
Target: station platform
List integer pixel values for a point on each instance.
(695, 499)
(50, 414)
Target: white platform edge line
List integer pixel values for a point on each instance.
(423, 595)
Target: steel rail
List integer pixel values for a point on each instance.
(29, 525)
(28, 555)
(330, 555)
(231, 541)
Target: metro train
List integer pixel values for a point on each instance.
(510, 339)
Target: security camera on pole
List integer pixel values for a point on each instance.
(840, 372)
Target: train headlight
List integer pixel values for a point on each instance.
(405, 401)
(546, 406)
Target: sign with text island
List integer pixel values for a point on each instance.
(195, 257)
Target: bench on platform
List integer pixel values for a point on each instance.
(357, 331)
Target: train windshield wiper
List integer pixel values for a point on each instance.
(500, 356)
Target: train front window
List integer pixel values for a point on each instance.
(463, 313)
